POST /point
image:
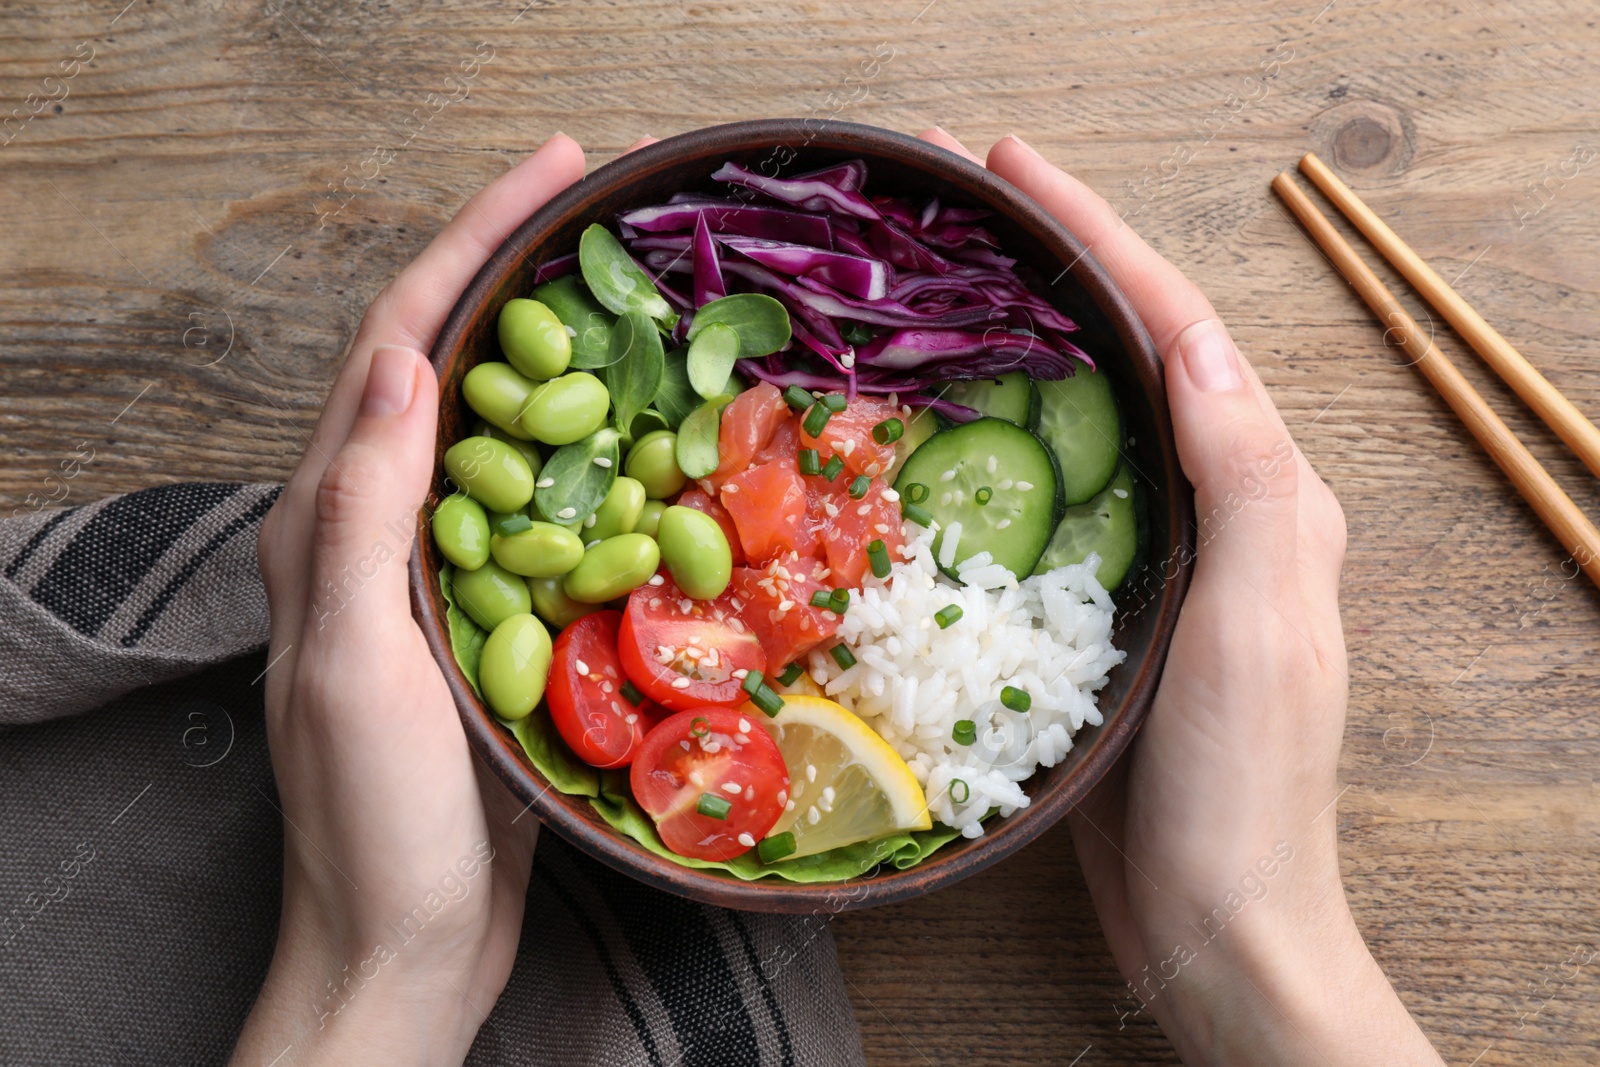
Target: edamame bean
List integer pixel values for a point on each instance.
(492, 472)
(499, 395)
(461, 530)
(654, 462)
(491, 594)
(696, 551)
(618, 513)
(615, 566)
(515, 666)
(543, 550)
(650, 517)
(552, 604)
(533, 339)
(525, 448)
(567, 409)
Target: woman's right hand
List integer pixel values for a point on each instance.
(1211, 852)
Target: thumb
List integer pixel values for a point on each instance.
(368, 496)
(1238, 457)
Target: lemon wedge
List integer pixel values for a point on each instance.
(845, 783)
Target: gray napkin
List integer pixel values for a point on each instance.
(140, 880)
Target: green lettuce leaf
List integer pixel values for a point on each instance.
(608, 791)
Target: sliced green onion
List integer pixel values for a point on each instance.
(516, 522)
(834, 402)
(966, 791)
(915, 492)
(886, 431)
(816, 419)
(821, 598)
(751, 683)
(767, 700)
(964, 732)
(699, 727)
(913, 513)
(833, 468)
(840, 601)
(1016, 699)
(712, 806)
(842, 656)
(859, 487)
(776, 847)
(947, 616)
(631, 694)
(983, 495)
(878, 557)
(797, 398)
(791, 674)
(810, 461)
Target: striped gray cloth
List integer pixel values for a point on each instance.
(140, 844)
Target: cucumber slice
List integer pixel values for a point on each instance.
(1108, 525)
(922, 425)
(1078, 419)
(1015, 524)
(1011, 396)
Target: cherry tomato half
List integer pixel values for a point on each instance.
(587, 704)
(682, 652)
(710, 759)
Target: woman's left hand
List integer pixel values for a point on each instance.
(405, 863)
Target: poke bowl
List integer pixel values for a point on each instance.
(807, 531)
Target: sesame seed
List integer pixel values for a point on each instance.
(891, 496)
(813, 816)
(711, 746)
(544, 483)
(583, 668)
(684, 605)
(655, 602)
(1002, 524)
(631, 718)
(847, 360)
(693, 651)
(602, 461)
(591, 544)
(788, 805)
(1120, 494)
(732, 787)
(881, 527)
(785, 605)
(1005, 483)
(948, 476)
(945, 499)
(616, 707)
(741, 739)
(831, 508)
(696, 778)
(746, 840)
(680, 683)
(684, 745)
(811, 772)
(873, 468)
(828, 794)
(730, 488)
(993, 464)
(606, 687)
(744, 724)
(738, 627)
(783, 796)
(656, 579)
(1024, 486)
(864, 509)
(749, 792)
(567, 513)
(849, 447)
(588, 524)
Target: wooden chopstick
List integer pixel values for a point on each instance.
(1557, 411)
(1575, 532)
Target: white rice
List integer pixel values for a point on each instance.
(1049, 635)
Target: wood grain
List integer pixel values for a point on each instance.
(173, 203)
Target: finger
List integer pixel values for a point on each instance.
(410, 312)
(367, 499)
(640, 143)
(939, 136)
(1240, 461)
(1163, 297)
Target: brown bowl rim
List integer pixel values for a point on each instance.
(500, 751)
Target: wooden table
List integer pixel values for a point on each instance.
(175, 300)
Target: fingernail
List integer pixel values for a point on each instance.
(1209, 357)
(391, 381)
(1025, 144)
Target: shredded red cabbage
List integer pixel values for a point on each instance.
(885, 295)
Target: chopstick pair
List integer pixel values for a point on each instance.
(1571, 527)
